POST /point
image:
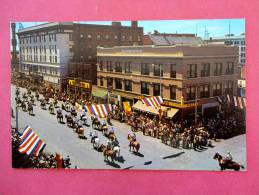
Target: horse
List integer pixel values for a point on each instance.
(96, 143)
(109, 153)
(73, 112)
(69, 121)
(111, 136)
(104, 129)
(23, 106)
(51, 109)
(96, 123)
(134, 144)
(59, 116)
(230, 165)
(30, 109)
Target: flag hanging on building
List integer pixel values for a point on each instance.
(30, 144)
(100, 110)
(154, 101)
(126, 106)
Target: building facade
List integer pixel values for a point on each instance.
(64, 49)
(181, 74)
(239, 41)
(87, 37)
(45, 50)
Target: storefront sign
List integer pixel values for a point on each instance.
(84, 85)
(177, 105)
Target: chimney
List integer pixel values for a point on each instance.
(116, 23)
(134, 24)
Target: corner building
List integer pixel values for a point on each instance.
(185, 73)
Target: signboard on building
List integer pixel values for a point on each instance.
(80, 84)
(178, 105)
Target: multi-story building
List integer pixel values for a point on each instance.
(233, 40)
(181, 74)
(45, 50)
(87, 37)
(64, 49)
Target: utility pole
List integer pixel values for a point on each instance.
(195, 106)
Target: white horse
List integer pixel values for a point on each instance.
(96, 142)
(117, 150)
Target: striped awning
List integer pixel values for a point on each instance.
(30, 144)
(154, 101)
(100, 110)
(236, 101)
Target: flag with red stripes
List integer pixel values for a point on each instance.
(30, 143)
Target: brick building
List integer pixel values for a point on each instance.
(59, 50)
(181, 74)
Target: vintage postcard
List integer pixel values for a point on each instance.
(151, 95)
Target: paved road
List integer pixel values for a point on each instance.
(154, 155)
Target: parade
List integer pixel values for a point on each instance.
(73, 112)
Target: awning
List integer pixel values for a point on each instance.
(171, 112)
(142, 107)
(99, 93)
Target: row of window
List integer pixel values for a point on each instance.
(204, 90)
(41, 69)
(39, 58)
(235, 42)
(157, 69)
(106, 37)
(38, 38)
(38, 49)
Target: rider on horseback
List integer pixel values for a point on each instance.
(95, 135)
(228, 158)
(111, 130)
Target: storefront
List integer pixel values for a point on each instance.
(79, 88)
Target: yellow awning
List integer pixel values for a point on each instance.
(171, 112)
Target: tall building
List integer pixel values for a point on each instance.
(181, 74)
(60, 50)
(239, 41)
(14, 53)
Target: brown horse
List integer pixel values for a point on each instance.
(109, 153)
(134, 144)
(231, 165)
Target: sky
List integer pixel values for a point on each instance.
(215, 28)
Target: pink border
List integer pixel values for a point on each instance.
(130, 182)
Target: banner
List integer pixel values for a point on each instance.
(127, 107)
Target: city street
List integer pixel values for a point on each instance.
(153, 154)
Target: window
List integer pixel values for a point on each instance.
(127, 67)
(107, 37)
(173, 71)
(81, 35)
(204, 91)
(236, 42)
(128, 85)
(101, 81)
(218, 69)
(118, 83)
(55, 37)
(145, 69)
(144, 88)
(242, 48)
(101, 65)
(89, 36)
(109, 66)
(230, 68)
(98, 37)
(192, 71)
(205, 72)
(115, 37)
(242, 42)
(190, 93)
(130, 38)
(123, 37)
(217, 89)
(242, 55)
(158, 70)
(70, 37)
(49, 37)
(44, 36)
(156, 89)
(173, 92)
(56, 59)
(229, 88)
(243, 61)
(118, 67)
(139, 38)
(50, 58)
(109, 82)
